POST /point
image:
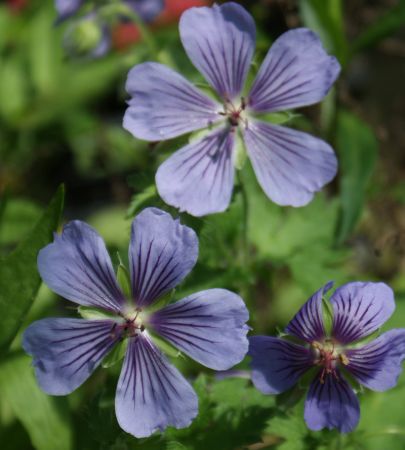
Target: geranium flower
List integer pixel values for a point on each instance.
(147, 9)
(91, 35)
(290, 165)
(67, 8)
(359, 309)
(208, 326)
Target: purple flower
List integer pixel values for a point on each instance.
(290, 165)
(208, 326)
(147, 9)
(90, 35)
(87, 37)
(359, 309)
(67, 8)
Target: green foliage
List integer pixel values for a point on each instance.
(232, 415)
(387, 24)
(17, 219)
(326, 18)
(116, 354)
(287, 430)
(358, 151)
(142, 199)
(124, 280)
(382, 424)
(45, 418)
(61, 118)
(19, 278)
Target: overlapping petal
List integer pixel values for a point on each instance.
(199, 177)
(290, 165)
(296, 72)
(220, 42)
(165, 105)
(209, 326)
(77, 267)
(161, 253)
(359, 309)
(151, 393)
(331, 404)
(277, 364)
(377, 365)
(307, 324)
(67, 351)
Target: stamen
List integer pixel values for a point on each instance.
(327, 356)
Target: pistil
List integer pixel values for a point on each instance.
(327, 355)
(131, 326)
(233, 113)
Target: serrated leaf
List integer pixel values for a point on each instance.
(289, 429)
(44, 417)
(174, 445)
(19, 277)
(140, 200)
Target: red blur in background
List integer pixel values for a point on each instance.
(16, 5)
(127, 33)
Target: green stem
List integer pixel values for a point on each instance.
(339, 444)
(111, 11)
(147, 36)
(245, 219)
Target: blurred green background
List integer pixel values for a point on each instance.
(60, 122)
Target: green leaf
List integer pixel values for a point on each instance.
(44, 417)
(13, 89)
(381, 419)
(325, 17)
(288, 429)
(174, 445)
(239, 152)
(17, 219)
(42, 49)
(19, 278)
(381, 28)
(318, 263)
(166, 347)
(141, 199)
(124, 280)
(89, 313)
(279, 232)
(327, 314)
(279, 118)
(111, 224)
(358, 149)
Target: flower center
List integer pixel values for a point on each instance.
(233, 113)
(131, 325)
(328, 356)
